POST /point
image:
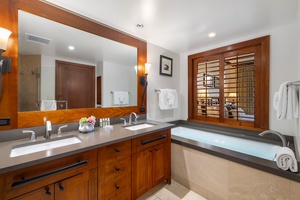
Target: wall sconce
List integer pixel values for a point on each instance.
(143, 79)
(5, 62)
(144, 82)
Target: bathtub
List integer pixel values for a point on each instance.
(245, 146)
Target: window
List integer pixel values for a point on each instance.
(230, 85)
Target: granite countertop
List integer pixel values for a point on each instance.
(98, 138)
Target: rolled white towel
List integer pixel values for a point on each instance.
(285, 159)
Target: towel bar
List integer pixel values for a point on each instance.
(294, 83)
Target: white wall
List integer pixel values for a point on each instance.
(113, 80)
(157, 81)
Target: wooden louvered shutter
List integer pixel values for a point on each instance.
(239, 87)
(208, 89)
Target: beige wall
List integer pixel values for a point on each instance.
(218, 179)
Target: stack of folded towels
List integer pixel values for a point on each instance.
(286, 160)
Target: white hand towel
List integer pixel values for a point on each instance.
(282, 101)
(48, 105)
(120, 98)
(172, 98)
(295, 101)
(285, 159)
(167, 99)
(275, 100)
(288, 102)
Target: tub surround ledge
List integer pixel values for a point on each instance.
(244, 159)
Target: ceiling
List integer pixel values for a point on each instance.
(183, 25)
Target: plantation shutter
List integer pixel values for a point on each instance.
(208, 88)
(239, 87)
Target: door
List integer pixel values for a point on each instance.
(99, 90)
(75, 188)
(159, 164)
(141, 168)
(75, 83)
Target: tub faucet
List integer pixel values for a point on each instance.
(130, 118)
(275, 133)
(48, 130)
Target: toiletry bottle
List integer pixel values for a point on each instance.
(108, 122)
(101, 123)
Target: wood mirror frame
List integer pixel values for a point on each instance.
(9, 100)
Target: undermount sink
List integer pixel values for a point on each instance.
(28, 148)
(136, 127)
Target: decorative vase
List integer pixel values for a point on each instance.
(86, 127)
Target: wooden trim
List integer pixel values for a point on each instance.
(36, 118)
(262, 48)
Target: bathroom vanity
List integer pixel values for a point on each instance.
(115, 163)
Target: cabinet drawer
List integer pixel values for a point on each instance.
(117, 185)
(114, 151)
(114, 169)
(30, 178)
(126, 195)
(150, 140)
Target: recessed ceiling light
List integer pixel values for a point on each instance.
(212, 34)
(71, 48)
(140, 25)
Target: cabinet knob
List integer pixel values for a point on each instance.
(117, 187)
(117, 150)
(48, 193)
(61, 188)
(117, 169)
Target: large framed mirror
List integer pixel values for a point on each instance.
(57, 15)
(45, 84)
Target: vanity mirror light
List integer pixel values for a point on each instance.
(55, 14)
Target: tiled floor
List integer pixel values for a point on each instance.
(175, 191)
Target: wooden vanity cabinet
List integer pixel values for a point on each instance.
(151, 161)
(72, 177)
(120, 171)
(114, 171)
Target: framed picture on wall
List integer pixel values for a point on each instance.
(166, 66)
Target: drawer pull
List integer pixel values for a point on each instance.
(117, 150)
(48, 193)
(61, 188)
(152, 140)
(35, 178)
(117, 187)
(117, 169)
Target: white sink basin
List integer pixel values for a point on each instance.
(139, 126)
(33, 147)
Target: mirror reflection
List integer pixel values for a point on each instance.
(61, 67)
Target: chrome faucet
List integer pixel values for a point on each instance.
(32, 136)
(59, 132)
(48, 130)
(275, 133)
(130, 118)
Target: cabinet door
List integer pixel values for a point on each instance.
(159, 164)
(142, 169)
(46, 193)
(75, 188)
